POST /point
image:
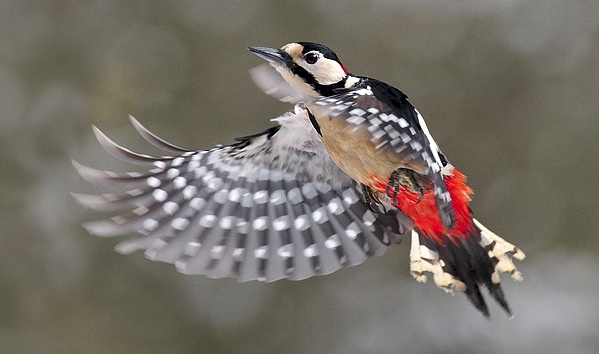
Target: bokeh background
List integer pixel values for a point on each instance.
(510, 90)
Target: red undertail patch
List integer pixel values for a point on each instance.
(424, 211)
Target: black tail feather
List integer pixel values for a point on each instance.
(469, 263)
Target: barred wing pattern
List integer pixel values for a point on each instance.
(271, 206)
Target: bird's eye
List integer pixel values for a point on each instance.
(311, 58)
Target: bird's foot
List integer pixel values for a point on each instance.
(404, 177)
(372, 200)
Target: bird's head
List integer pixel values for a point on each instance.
(311, 69)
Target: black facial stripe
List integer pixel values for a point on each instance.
(324, 90)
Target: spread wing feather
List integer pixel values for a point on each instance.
(272, 205)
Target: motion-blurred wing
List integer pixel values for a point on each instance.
(273, 84)
(271, 206)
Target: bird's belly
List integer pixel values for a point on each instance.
(356, 155)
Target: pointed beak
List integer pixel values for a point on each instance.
(275, 56)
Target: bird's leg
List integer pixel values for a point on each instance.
(407, 178)
(371, 198)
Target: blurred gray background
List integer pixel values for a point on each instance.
(509, 90)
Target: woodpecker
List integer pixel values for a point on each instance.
(350, 171)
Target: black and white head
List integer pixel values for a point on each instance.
(312, 69)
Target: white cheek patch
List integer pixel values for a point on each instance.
(325, 71)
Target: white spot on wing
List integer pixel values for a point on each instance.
(226, 222)
(332, 242)
(180, 223)
(335, 206)
(180, 182)
(170, 207)
(150, 224)
(192, 165)
(243, 227)
(285, 251)
(155, 245)
(217, 252)
(159, 195)
(374, 120)
(235, 194)
(189, 192)
(246, 200)
(221, 196)
(172, 172)
(416, 145)
(192, 248)
(160, 164)
(309, 191)
(260, 223)
(281, 223)
(319, 215)
(153, 182)
(368, 218)
(238, 253)
(197, 203)
(377, 135)
(200, 173)
(278, 197)
(206, 176)
(311, 251)
(215, 184)
(261, 197)
(301, 223)
(349, 197)
(260, 252)
(357, 112)
(208, 220)
(363, 92)
(355, 120)
(295, 195)
(177, 161)
(352, 231)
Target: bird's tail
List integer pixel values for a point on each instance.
(466, 263)
(465, 257)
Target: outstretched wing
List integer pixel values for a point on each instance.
(393, 130)
(271, 206)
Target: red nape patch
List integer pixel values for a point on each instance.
(424, 213)
(344, 69)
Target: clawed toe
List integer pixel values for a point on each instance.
(372, 200)
(407, 178)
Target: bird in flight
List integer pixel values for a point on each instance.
(344, 175)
